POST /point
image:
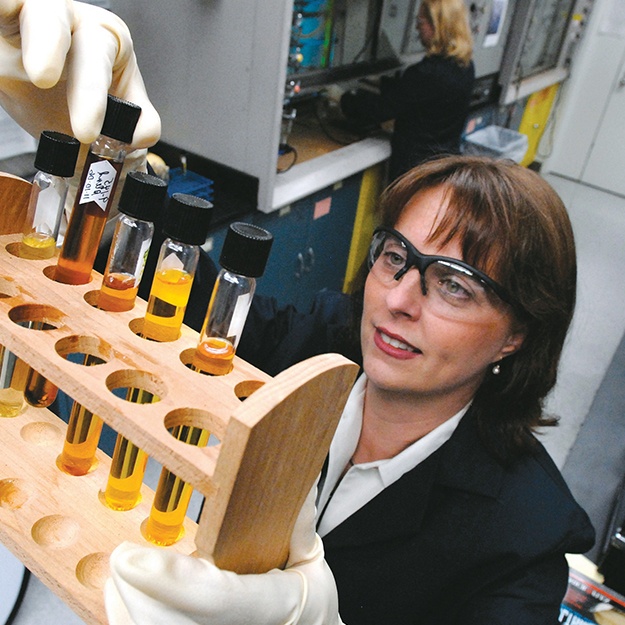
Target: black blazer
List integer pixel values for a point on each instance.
(460, 540)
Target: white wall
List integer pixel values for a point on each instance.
(187, 47)
(583, 98)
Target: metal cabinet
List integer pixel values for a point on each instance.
(312, 240)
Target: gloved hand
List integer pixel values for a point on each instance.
(58, 61)
(151, 586)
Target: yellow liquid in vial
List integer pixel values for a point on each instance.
(165, 525)
(81, 442)
(11, 402)
(166, 305)
(37, 246)
(123, 489)
(13, 372)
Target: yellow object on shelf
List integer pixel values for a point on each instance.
(535, 117)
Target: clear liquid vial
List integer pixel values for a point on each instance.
(140, 203)
(243, 259)
(55, 162)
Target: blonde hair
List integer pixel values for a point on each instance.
(452, 35)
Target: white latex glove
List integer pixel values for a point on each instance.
(58, 61)
(152, 586)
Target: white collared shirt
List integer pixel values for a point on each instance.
(363, 482)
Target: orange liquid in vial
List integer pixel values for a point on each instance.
(165, 525)
(39, 391)
(81, 442)
(213, 356)
(118, 292)
(80, 247)
(166, 305)
(84, 231)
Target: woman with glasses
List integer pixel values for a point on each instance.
(429, 101)
(437, 504)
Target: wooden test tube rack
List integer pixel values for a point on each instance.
(271, 449)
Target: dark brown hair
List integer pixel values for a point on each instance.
(514, 227)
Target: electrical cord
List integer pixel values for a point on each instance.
(20, 597)
(284, 149)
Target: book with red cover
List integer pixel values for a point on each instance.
(587, 601)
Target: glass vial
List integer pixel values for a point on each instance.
(186, 224)
(142, 197)
(140, 202)
(165, 525)
(12, 373)
(123, 487)
(243, 259)
(97, 186)
(55, 162)
(83, 434)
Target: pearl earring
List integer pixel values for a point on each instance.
(496, 369)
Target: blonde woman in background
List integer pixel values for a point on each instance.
(430, 100)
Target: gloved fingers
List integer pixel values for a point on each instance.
(102, 60)
(46, 33)
(129, 86)
(305, 544)
(161, 586)
(116, 612)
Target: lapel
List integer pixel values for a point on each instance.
(461, 464)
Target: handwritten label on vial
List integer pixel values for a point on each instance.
(98, 184)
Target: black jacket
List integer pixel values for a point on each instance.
(460, 540)
(457, 540)
(429, 103)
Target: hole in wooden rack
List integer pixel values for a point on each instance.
(37, 317)
(244, 389)
(93, 570)
(91, 297)
(218, 366)
(41, 433)
(84, 350)
(8, 287)
(156, 332)
(55, 531)
(120, 301)
(14, 493)
(50, 273)
(14, 248)
(190, 425)
(186, 356)
(138, 387)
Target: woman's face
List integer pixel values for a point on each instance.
(412, 347)
(425, 28)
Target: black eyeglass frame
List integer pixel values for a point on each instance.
(422, 261)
